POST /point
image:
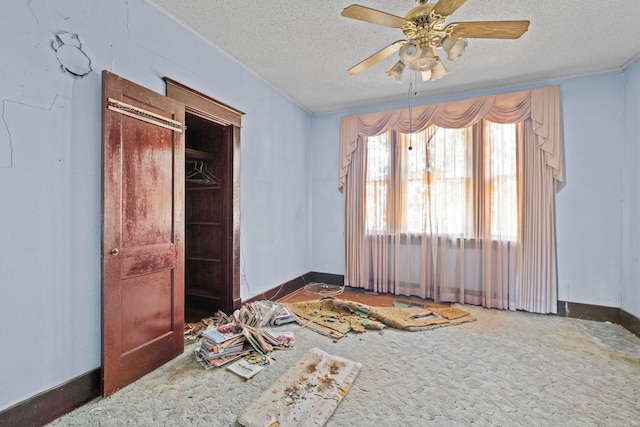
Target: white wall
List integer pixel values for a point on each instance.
(50, 174)
(327, 213)
(631, 230)
(589, 208)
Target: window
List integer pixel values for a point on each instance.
(447, 182)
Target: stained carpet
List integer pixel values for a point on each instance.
(306, 395)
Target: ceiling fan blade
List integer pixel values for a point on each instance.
(373, 16)
(488, 29)
(447, 7)
(376, 57)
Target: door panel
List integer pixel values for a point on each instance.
(146, 304)
(136, 262)
(148, 164)
(142, 232)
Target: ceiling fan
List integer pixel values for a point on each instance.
(425, 32)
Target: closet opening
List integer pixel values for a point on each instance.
(212, 204)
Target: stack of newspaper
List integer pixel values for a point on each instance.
(246, 335)
(264, 313)
(261, 342)
(221, 345)
(265, 340)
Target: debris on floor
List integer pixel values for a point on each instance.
(243, 337)
(336, 317)
(192, 331)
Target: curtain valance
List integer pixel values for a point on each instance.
(541, 105)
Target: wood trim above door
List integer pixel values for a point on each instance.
(203, 105)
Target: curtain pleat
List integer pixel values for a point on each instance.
(536, 281)
(354, 216)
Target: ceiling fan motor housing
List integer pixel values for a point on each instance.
(424, 25)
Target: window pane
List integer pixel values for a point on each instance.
(437, 174)
(377, 177)
(500, 151)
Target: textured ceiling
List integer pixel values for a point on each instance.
(303, 48)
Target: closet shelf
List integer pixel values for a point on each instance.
(201, 293)
(202, 187)
(203, 257)
(190, 153)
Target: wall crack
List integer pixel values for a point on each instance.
(10, 142)
(33, 13)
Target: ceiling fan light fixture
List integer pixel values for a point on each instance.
(410, 52)
(439, 71)
(454, 47)
(428, 59)
(395, 72)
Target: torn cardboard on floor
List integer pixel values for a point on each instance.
(337, 317)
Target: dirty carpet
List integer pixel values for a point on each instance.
(505, 369)
(306, 395)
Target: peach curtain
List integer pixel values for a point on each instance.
(518, 276)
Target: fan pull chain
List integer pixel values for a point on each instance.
(410, 95)
(410, 100)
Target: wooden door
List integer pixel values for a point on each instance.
(142, 231)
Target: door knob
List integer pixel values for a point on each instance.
(114, 251)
